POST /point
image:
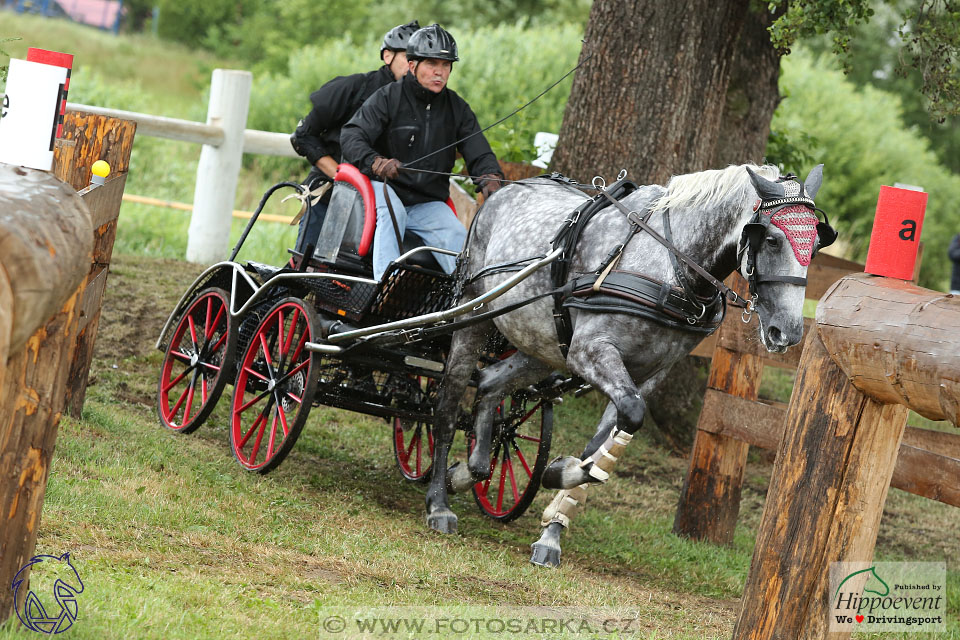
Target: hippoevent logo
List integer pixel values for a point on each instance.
(48, 604)
(887, 596)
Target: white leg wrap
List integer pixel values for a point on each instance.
(564, 506)
(605, 458)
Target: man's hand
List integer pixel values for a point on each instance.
(490, 182)
(388, 169)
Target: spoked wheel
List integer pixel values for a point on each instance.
(197, 362)
(413, 440)
(522, 430)
(275, 386)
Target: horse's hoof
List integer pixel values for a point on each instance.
(443, 521)
(459, 478)
(564, 473)
(545, 555)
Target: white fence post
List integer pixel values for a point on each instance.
(219, 167)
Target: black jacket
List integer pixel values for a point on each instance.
(334, 103)
(954, 253)
(406, 121)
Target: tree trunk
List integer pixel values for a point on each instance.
(651, 100)
(670, 92)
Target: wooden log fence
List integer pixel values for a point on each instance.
(733, 418)
(56, 242)
(879, 348)
(89, 137)
(46, 240)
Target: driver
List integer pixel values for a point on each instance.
(419, 117)
(317, 137)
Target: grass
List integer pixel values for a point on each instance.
(174, 540)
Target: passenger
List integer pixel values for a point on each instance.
(317, 137)
(412, 119)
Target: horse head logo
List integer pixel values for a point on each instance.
(66, 585)
(874, 583)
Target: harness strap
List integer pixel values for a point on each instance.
(635, 219)
(393, 217)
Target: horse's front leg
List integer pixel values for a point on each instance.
(496, 382)
(461, 363)
(598, 361)
(600, 455)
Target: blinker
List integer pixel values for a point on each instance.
(752, 235)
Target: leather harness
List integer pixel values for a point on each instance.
(628, 292)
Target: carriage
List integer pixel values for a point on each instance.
(320, 331)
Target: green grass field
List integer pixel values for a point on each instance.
(174, 540)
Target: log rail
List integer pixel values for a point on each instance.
(879, 348)
(732, 418)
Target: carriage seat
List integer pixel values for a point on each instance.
(353, 208)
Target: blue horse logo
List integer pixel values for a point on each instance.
(66, 588)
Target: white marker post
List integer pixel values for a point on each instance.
(28, 114)
(218, 168)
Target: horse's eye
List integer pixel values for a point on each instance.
(773, 242)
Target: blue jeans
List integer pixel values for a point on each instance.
(433, 222)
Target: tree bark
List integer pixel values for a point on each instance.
(670, 92)
(652, 97)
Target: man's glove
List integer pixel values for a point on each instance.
(388, 169)
(489, 182)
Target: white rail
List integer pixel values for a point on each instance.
(225, 139)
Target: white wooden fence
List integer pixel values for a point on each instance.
(225, 139)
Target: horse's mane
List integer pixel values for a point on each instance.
(713, 188)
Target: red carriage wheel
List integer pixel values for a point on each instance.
(413, 440)
(413, 448)
(522, 430)
(197, 362)
(275, 387)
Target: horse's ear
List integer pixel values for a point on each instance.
(814, 179)
(766, 189)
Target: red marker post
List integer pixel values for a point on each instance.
(55, 59)
(896, 233)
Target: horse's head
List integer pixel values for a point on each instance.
(775, 249)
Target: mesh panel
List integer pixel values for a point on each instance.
(406, 292)
(341, 297)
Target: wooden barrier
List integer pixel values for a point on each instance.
(87, 138)
(879, 348)
(45, 245)
(710, 498)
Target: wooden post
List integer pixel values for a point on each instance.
(219, 166)
(87, 138)
(710, 498)
(825, 500)
(45, 244)
(881, 347)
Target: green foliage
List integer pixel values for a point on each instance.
(932, 35)
(928, 31)
(859, 134)
(263, 34)
(873, 60)
(279, 100)
(3, 69)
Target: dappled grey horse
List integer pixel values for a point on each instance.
(743, 217)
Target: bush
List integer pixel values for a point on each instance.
(492, 87)
(860, 136)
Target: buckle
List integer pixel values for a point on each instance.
(633, 218)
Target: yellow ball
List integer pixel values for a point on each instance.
(100, 168)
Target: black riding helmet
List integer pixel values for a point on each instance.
(432, 42)
(396, 39)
